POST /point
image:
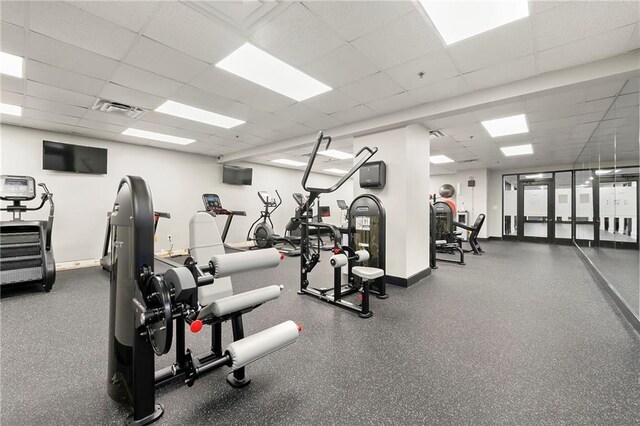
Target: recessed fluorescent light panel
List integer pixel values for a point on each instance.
(11, 109)
(539, 175)
(339, 171)
(506, 126)
(11, 65)
(157, 136)
(334, 153)
(510, 151)
(289, 162)
(261, 68)
(440, 159)
(457, 21)
(196, 114)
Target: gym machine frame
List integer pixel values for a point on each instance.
(310, 258)
(144, 306)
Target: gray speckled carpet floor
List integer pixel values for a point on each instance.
(521, 335)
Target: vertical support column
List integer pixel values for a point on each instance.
(405, 198)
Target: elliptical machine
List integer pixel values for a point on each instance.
(262, 229)
(26, 255)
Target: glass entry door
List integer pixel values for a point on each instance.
(536, 211)
(617, 212)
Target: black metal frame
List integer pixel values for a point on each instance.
(309, 257)
(550, 183)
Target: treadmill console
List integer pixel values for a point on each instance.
(17, 188)
(211, 202)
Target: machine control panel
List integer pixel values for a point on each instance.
(21, 188)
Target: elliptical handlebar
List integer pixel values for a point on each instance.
(319, 139)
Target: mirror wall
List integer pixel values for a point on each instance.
(606, 197)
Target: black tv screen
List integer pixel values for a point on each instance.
(234, 175)
(64, 157)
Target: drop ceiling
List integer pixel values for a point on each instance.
(370, 53)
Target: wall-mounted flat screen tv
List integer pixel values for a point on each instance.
(234, 175)
(65, 157)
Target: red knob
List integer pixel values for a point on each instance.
(299, 327)
(196, 326)
(281, 256)
(336, 251)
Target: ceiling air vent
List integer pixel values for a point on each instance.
(473, 160)
(106, 105)
(436, 133)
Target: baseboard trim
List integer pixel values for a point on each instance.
(407, 282)
(494, 238)
(90, 263)
(620, 303)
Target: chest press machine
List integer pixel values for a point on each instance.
(144, 306)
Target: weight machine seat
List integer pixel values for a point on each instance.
(367, 273)
(239, 302)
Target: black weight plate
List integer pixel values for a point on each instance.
(160, 332)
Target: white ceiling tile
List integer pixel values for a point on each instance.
(436, 66)
(445, 89)
(179, 26)
(299, 113)
(96, 125)
(111, 118)
(63, 55)
(358, 113)
(393, 103)
(591, 117)
(552, 112)
(177, 122)
(79, 28)
(586, 50)
(400, 41)
(46, 124)
(12, 39)
(54, 107)
(128, 14)
(49, 116)
(155, 57)
(606, 90)
(536, 7)
(126, 95)
(632, 86)
(145, 81)
(200, 99)
(223, 83)
(372, 88)
(266, 100)
(634, 42)
(340, 66)
(558, 99)
(597, 105)
(13, 12)
(508, 72)
(331, 101)
(323, 122)
(575, 20)
(11, 98)
(64, 79)
(296, 36)
(64, 96)
(12, 84)
(352, 19)
(503, 44)
(626, 101)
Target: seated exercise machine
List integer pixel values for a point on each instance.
(446, 237)
(26, 255)
(261, 231)
(212, 204)
(105, 260)
(473, 236)
(342, 255)
(144, 307)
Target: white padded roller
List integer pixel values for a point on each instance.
(338, 260)
(233, 263)
(362, 255)
(261, 344)
(238, 302)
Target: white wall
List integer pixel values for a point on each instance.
(405, 196)
(177, 182)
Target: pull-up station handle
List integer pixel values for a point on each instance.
(370, 152)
